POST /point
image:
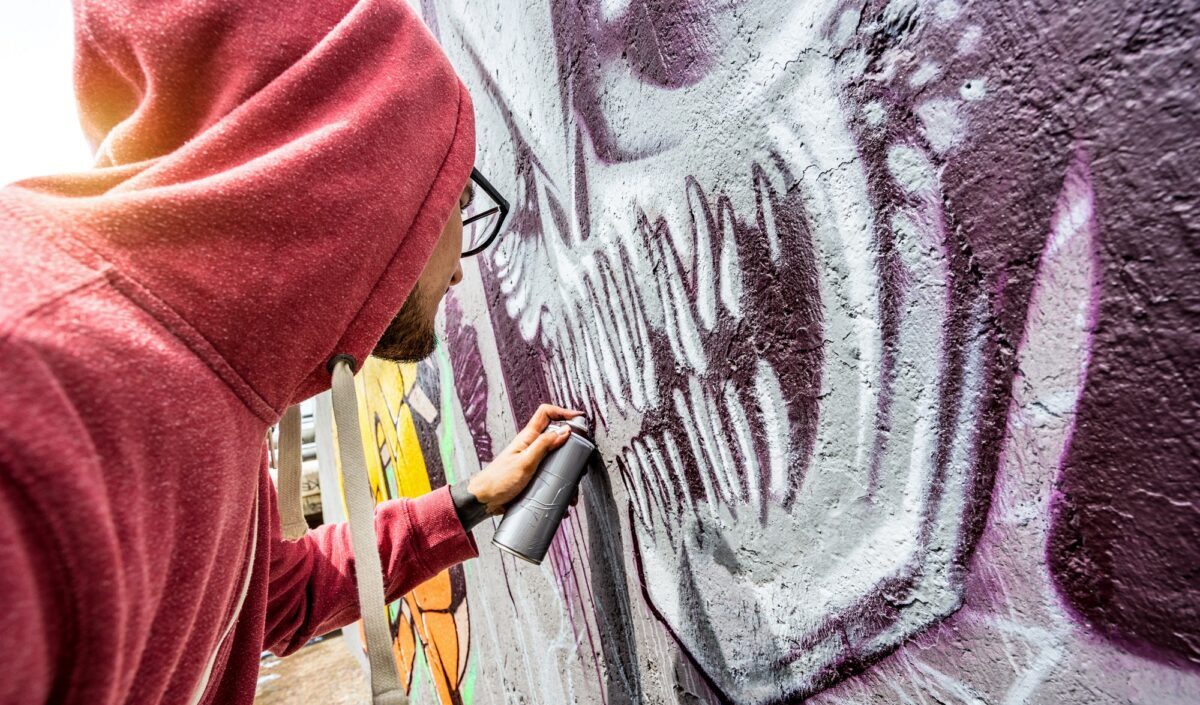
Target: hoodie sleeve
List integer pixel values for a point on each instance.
(312, 584)
(25, 635)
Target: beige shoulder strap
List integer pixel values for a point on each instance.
(360, 505)
(291, 512)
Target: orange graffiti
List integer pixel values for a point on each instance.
(393, 400)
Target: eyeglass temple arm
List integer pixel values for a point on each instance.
(484, 214)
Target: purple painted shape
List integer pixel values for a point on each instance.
(668, 42)
(470, 380)
(1125, 543)
(664, 43)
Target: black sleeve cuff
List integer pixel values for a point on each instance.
(469, 509)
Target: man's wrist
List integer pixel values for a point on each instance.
(468, 507)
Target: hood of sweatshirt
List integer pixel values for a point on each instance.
(274, 174)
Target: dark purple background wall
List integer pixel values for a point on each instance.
(1125, 548)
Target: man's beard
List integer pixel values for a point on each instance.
(410, 337)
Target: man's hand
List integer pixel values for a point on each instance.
(509, 472)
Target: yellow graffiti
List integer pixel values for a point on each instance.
(435, 613)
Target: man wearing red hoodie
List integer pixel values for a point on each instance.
(273, 181)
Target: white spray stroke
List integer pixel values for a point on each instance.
(669, 317)
(645, 376)
(649, 376)
(702, 276)
(619, 311)
(731, 269)
(728, 466)
(635, 485)
(681, 409)
(574, 376)
(941, 123)
(586, 313)
(669, 508)
(645, 486)
(874, 113)
(573, 360)
(709, 463)
(616, 310)
(557, 383)
(1053, 361)
(673, 480)
(596, 387)
(677, 464)
(1050, 652)
(511, 273)
(529, 322)
(842, 218)
(902, 695)
(519, 299)
(612, 376)
(948, 10)
(910, 168)
(772, 232)
(688, 334)
(650, 488)
(920, 463)
(775, 424)
(638, 452)
(950, 685)
(681, 236)
(926, 72)
(969, 40)
(741, 429)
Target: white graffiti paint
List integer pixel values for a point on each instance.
(654, 264)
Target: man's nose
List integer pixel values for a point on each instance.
(457, 276)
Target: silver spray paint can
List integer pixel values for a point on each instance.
(531, 520)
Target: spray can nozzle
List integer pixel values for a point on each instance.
(579, 424)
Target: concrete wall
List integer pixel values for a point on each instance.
(887, 313)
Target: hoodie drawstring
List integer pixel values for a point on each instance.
(291, 512)
(360, 505)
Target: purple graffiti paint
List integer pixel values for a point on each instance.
(664, 43)
(466, 363)
(1125, 546)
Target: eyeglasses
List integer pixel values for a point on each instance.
(483, 216)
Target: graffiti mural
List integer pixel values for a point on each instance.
(401, 427)
(886, 315)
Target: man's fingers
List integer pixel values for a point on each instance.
(545, 414)
(545, 442)
(540, 419)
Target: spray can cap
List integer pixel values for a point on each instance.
(579, 424)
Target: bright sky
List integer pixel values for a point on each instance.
(39, 131)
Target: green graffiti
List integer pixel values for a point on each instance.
(446, 432)
(467, 688)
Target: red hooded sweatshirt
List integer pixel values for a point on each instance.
(271, 179)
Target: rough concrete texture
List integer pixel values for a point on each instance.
(887, 313)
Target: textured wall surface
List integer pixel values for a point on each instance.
(887, 313)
